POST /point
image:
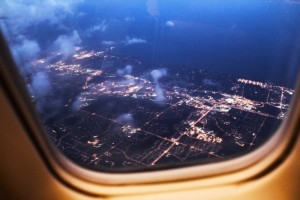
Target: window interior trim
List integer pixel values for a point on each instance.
(226, 172)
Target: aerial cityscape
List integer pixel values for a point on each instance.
(118, 117)
(151, 84)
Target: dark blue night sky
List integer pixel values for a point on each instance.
(259, 40)
(253, 39)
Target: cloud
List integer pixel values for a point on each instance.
(100, 27)
(126, 119)
(129, 19)
(81, 14)
(127, 41)
(293, 1)
(49, 108)
(170, 23)
(66, 44)
(77, 104)
(127, 81)
(152, 8)
(125, 70)
(134, 40)
(210, 82)
(26, 17)
(40, 85)
(48, 105)
(160, 98)
(108, 43)
(27, 49)
(22, 14)
(156, 75)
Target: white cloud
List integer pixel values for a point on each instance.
(125, 70)
(129, 19)
(23, 51)
(210, 82)
(108, 43)
(134, 40)
(160, 98)
(47, 103)
(152, 8)
(99, 27)
(127, 41)
(81, 14)
(156, 75)
(40, 85)
(126, 119)
(170, 23)
(66, 44)
(293, 1)
(26, 49)
(127, 81)
(22, 14)
(77, 104)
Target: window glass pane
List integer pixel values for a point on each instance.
(125, 85)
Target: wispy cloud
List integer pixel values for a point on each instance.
(127, 41)
(157, 74)
(129, 19)
(160, 97)
(125, 118)
(22, 14)
(77, 104)
(102, 27)
(24, 51)
(65, 44)
(152, 8)
(40, 85)
(125, 70)
(20, 18)
(134, 40)
(46, 103)
(170, 23)
(293, 1)
(210, 82)
(127, 81)
(27, 48)
(108, 43)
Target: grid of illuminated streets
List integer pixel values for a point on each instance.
(115, 120)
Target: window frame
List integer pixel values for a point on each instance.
(236, 170)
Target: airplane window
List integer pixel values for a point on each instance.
(146, 84)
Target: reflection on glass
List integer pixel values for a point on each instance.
(135, 84)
